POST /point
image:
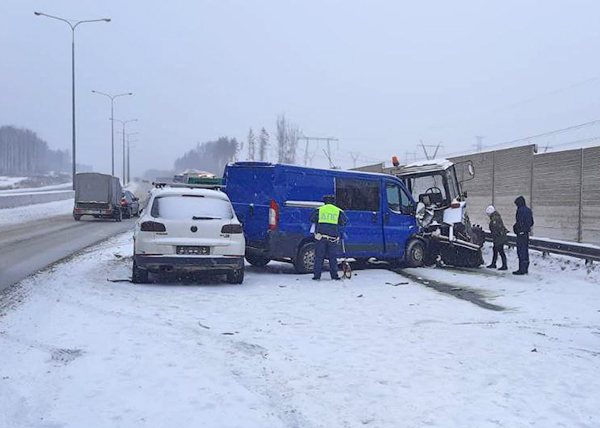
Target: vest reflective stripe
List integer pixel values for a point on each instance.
(329, 214)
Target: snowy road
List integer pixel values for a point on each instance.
(283, 351)
(27, 247)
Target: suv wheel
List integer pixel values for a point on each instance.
(305, 259)
(236, 276)
(77, 217)
(257, 260)
(415, 253)
(139, 276)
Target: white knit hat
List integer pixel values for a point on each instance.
(490, 210)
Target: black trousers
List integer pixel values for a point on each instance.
(523, 247)
(325, 249)
(498, 249)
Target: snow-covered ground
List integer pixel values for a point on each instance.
(29, 213)
(9, 182)
(284, 351)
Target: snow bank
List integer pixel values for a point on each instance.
(284, 351)
(29, 213)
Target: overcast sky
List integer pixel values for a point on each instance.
(378, 75)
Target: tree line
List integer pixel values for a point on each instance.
(23, 153)
(213, 156)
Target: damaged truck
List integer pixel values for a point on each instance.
(442, 213)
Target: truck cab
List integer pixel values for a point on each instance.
(442, 213)
(274, 202)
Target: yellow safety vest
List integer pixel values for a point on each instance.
(329, 214)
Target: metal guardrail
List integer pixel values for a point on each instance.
(571, 249)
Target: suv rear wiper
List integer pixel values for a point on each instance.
(206, 218)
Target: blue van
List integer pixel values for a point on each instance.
(274, 203)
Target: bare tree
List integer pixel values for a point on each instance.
(281, 135)
(251, 145)
(263, 142)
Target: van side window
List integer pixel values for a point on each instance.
(397, 198)
(393, 196)
(357, 195)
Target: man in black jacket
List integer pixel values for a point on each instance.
(522, 229)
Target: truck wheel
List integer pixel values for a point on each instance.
(77, 217)
(236, 276)
(305, 259)
(127, 213)
(415, 253)
(257, 260)
(139, 276)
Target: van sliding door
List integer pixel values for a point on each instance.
(361, 200)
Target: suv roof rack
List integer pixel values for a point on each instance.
(161, 185)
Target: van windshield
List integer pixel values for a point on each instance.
(188, 207)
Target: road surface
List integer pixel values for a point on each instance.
(28, 247)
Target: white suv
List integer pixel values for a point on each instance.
(185, 229)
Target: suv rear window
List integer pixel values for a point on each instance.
(185, 207)
(353, 194)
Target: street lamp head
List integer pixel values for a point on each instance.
(36, 13)
(106, 19)
(131, 93)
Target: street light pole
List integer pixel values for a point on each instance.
(73, 25)
(124, 122)
(112, 125)
(128, 157)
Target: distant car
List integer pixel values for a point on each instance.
(130, 204)
(186, 230)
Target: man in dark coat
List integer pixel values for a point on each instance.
(522, 229)
(328, 219)
(499, 237)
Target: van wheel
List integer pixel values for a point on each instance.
(415, 253)
(236, 276)
(257, 260)
(305, 259)
(139, 276)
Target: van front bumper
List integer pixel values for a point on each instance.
(188, 264)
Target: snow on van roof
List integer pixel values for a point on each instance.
(350, 171)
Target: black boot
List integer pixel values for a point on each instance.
(491, 266)
(526, 267)
(503, 267)
(521, 270)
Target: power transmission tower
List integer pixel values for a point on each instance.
(354, 157)
(479, 145)
(426, 153)
(317, 139)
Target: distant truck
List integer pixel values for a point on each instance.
(274, 203)
(98, 195)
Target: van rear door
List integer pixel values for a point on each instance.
(398, 225)
(361, 201)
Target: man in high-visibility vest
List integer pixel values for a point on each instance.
(328, 219)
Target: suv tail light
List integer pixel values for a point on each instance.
(232, 228)
(273, 215)
(153, 226)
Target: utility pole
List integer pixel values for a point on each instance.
(479, 145)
